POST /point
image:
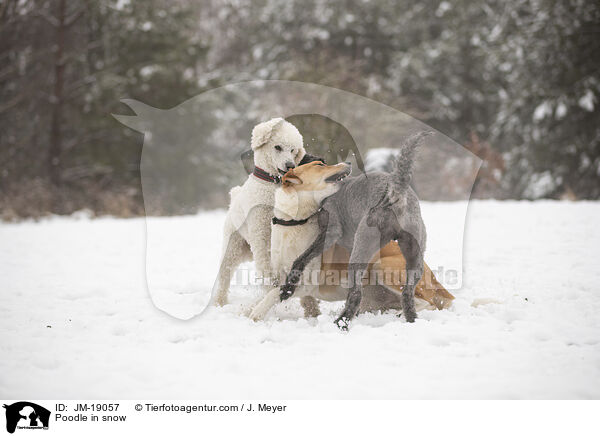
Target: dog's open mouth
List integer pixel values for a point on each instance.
(338, 176)
(282, 172)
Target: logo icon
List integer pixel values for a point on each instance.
(26, 415)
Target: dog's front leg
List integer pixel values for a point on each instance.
(311, 306)
(262, 308)
(259, 238)
(330, 231)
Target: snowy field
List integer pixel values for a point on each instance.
(76, 319)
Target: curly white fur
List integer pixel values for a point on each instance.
(277, 145)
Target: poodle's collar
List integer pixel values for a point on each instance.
(263, 175)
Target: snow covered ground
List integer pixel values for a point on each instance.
(76, 319)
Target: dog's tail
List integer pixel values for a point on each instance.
(403, 165)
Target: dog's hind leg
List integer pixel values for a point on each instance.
(311, 306)
(413, 254)
(236, 252)
(378, 298)
(367, 242)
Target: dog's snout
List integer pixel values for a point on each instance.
(289, 165)
(348, 163)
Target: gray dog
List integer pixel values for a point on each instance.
(364, 215)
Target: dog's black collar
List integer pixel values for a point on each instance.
(290, 222)
(293, 222)
(263, 175)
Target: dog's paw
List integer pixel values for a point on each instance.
(409, 315)
(292, 280)
(286, 291)
(255, 315)
(342, 323)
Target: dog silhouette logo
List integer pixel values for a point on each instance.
(26, 415)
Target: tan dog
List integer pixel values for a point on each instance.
(387, 267)
(294, 229)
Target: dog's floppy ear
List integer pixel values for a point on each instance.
(262, 132)
(290, 179)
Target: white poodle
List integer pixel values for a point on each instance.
(278, 147)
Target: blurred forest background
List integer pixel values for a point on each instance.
(517, 82)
